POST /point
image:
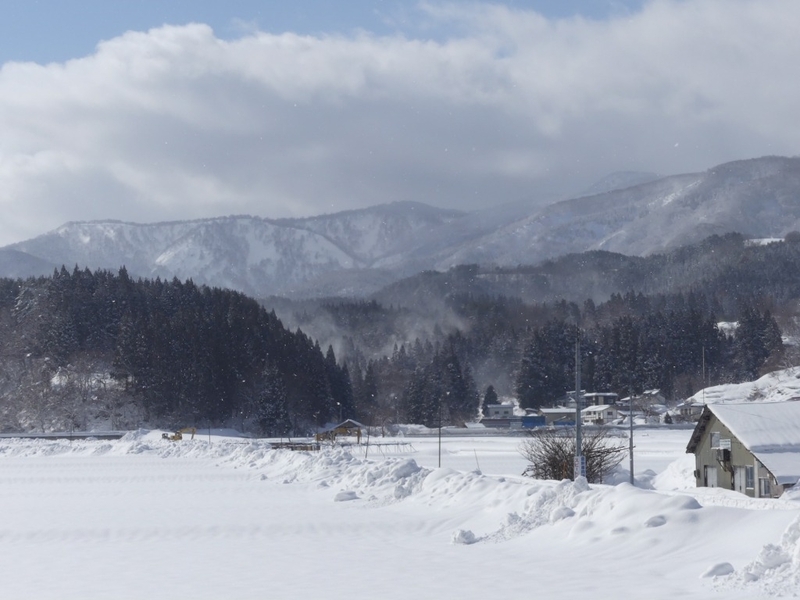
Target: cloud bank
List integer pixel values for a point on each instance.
(175, 123)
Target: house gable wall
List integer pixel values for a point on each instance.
(740, 456)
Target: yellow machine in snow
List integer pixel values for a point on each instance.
(178, 435)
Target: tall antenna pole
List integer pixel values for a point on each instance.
(580, 463)
(704, 375)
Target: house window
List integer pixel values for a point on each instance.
(764, 487)
(715, 439)
(749, 477)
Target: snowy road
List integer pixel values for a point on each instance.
(143, 518)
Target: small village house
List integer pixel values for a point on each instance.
(588, 399)
(500, 416)
(599, 399)
(750, 447)
(690, 411)
(559, 415)
(498, 411)
(348, 428)
(599, 415)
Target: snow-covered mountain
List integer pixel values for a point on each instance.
(357, 252)
(257, 256)
(758, 198)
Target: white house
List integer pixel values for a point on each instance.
(599, 415)
(498, 411)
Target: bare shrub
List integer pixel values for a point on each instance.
(551, 453)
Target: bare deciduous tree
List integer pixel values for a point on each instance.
(551, 453)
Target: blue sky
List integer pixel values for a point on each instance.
(149, 111)
(57, 30)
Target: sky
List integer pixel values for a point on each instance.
(148, 111)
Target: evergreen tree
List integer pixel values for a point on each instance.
(489, 397)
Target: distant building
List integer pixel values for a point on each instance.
(600, 399)
(599, 415)
(560, 415)
(348, 428)
(498, 411)
(750, 447)
(501, 416)
(589, 399)
(645, 400)
(690, 412)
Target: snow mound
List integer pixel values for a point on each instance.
(719, 570)
(776, 569)
(679, 475)
(772, 387)
(464, 537)
(345, 496)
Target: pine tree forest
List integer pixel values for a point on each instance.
(80, 348)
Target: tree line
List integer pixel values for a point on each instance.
(82, 346)
(629, 343)
(157, 352)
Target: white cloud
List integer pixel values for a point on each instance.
(175, 123)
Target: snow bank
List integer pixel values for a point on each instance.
(773, 387)
(776, 569)
(491, 509)
(685, 531)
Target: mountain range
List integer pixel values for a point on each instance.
(355, 253)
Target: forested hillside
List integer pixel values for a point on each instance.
(81, 347)
(662, 333)
(629, 344)
(728, 267)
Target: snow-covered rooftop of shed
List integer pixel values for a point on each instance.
(764, 426)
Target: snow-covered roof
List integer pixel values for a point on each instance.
(691, 404)
(349, 423)
(599, 408)
(556, 411)
(770, 430)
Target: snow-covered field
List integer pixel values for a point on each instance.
(221, 517)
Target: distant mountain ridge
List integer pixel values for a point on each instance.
(255, 255)
(357, 252)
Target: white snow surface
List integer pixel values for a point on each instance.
(224, 517)
(773, 387)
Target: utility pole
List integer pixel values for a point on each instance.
(580, 460)
(440, 432)
(630, 419)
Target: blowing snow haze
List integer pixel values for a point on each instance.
(190, 112)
